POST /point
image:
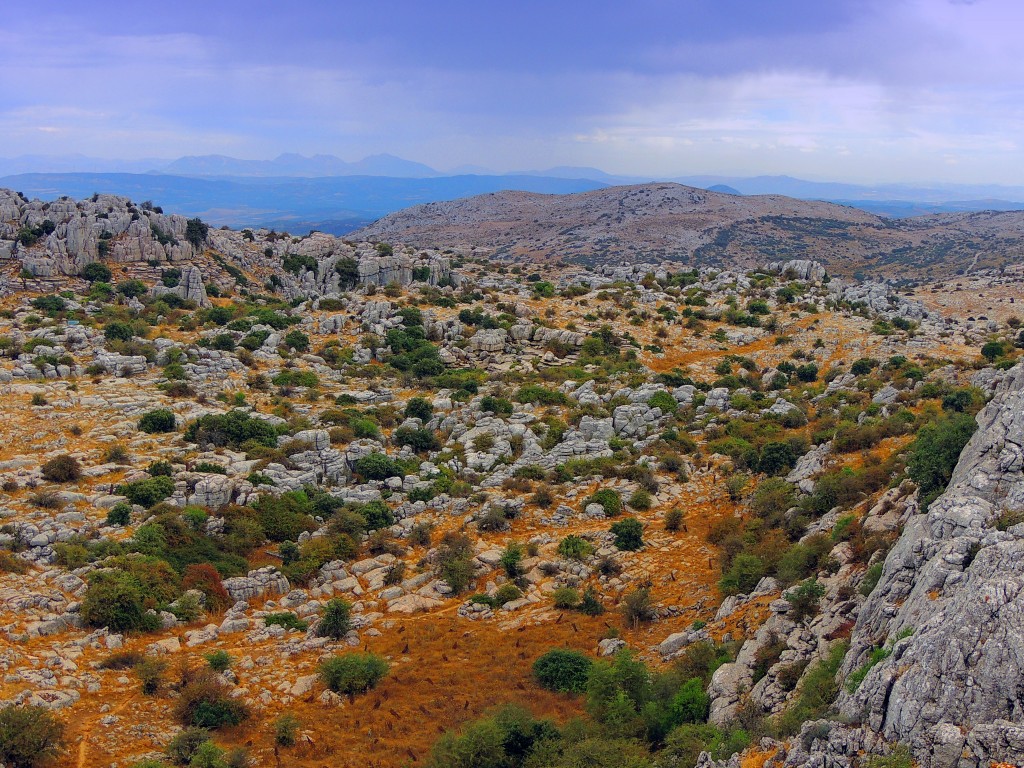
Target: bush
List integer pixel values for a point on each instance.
(336, 619)
(691, 704)
(286, 730)
(230, 430)
(628, 534)
(219, 661)
(29, 736)
(674, 519)
(62, 469)
(160, 420)
(591, 604)
(804, 599)
(609, 499)
(871, 578)
(506, 593)
(147, 492)
(574, 547)
(934, 454)
(196, 231)
(744, 573)
(511, 557)
(377, 466)
(638, 607)
(285, 619)
(565, 598)
(205, 702)
(419, 408)
(563, 670)
(95, 272)
(297, 340)
(183, 747)
(206, 579)
(118, 332)
(640, 500)
(114, 600)
(353, 673)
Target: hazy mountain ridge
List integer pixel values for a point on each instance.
(672, 222)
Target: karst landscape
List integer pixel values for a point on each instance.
(665, 411)
(306, 501)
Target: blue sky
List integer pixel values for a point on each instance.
(857, 90)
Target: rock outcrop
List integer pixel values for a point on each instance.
(949, 612)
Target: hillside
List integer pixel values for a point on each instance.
(685, 225)
(304, 501)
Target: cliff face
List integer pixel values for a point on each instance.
(63, 236)
(950, 609)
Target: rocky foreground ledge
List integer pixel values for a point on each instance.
(948, 618)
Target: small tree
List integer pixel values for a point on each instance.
(29, 736)
(336, 620)
(196, 232)
(993, 350)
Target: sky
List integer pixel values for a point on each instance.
(864, 91)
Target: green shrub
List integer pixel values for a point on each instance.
(871, 578)
(563, 670)
(574, 547)
(419, 408)
(506, 593)
(591, 604)
(160, 420)
(219, 661)
(114, 599)
(674, 519)
(565, 598)
(664, 401)
(336, 619)
(609, 500)
(511, 557)
(805, 599)
(286, 730)
(353, 673)
(148, 491)
(29, 736)
(205, 702)
(95, 272)
(934, 453)
(691, 704)
(230, 430)
(628, 534)
(286, 619)
(377, 466)
(744, 573)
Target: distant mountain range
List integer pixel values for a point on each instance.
(298, 193)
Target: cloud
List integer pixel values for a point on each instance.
(858, 88)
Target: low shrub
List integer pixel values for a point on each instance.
(353, 673)
(563, 670)
(62, 469)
